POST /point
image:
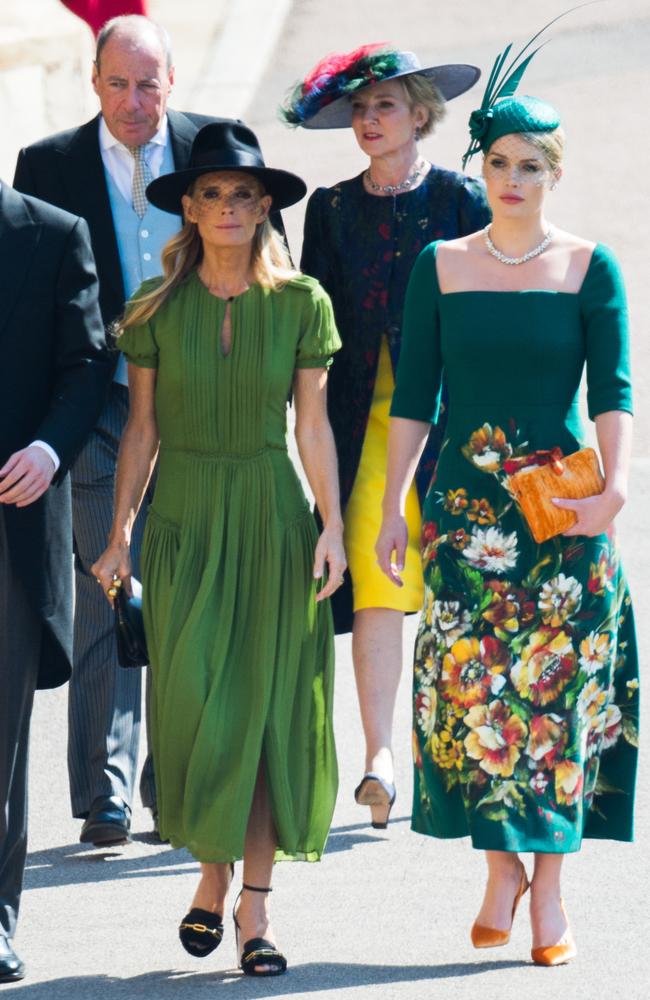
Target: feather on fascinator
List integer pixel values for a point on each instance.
(336, 75)
(497, 116)
(320, 100)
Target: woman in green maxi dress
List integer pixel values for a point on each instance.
(238, 631)
(526, 675)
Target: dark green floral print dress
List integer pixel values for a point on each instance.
(526, 673)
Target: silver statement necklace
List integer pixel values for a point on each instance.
(535, 252)
(396, 188)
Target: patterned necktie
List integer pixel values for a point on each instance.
(141, 177)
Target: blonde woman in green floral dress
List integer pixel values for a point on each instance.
(238, 624)
(525, 686)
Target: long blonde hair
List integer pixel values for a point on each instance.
(270, 264)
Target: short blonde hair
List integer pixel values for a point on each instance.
(421, 90)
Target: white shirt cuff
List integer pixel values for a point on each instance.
(48, 451)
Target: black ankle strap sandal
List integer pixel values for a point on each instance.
(200, 930)
(258, 951)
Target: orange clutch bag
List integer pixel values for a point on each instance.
(572, 477)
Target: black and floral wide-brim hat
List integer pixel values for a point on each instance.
(322, 99)
(226, 145)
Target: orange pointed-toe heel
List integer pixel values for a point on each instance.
(556, 954)
(491, 937)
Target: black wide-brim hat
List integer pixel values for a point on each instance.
(225, 146)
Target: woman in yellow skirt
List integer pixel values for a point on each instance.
(362, 237)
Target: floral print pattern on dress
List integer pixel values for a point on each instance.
(520, 688)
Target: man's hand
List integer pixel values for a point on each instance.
(25, 476)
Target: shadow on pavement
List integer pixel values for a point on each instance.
(74, 864)
(309, 978)
(344, 838)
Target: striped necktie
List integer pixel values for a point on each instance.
(141, 177)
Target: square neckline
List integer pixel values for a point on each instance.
(512, 291)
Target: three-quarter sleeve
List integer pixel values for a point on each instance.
(316, 248)
(138, 343)
(419, 371)
(319, 338)
(605, 320)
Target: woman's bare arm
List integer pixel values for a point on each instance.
(406, 441)
(318, 455)
(135, 463)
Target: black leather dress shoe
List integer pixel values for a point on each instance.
(11, 968)
(108, 822)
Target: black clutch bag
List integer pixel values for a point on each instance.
(129, 628)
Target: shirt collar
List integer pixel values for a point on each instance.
(107, 140)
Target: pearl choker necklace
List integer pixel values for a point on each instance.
(396, 188)
(535, 252)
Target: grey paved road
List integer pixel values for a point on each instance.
(386, 915)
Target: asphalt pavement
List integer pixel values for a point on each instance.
(385, 914)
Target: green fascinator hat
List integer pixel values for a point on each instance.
(501, 113)
(512, 114)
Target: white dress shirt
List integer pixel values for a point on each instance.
(120, 164)
(49, 450)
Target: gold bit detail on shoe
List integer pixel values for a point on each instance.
(202, 929)
(261, 953)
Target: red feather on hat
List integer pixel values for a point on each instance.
(338, 62)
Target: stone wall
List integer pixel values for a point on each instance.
(45, 59)
(46, 56)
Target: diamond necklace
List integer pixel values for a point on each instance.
(396, 188)
(535, 252)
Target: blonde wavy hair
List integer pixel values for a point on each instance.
(270, 264)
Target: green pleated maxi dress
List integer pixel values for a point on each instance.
(242, 656)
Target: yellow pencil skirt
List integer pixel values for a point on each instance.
(362, 521)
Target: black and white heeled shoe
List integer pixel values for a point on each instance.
(379, 794)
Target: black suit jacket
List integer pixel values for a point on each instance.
(67, 170)
(54, 375)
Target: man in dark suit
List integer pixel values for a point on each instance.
(99, 171)
(53, 380)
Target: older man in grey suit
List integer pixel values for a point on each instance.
(100, 171)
